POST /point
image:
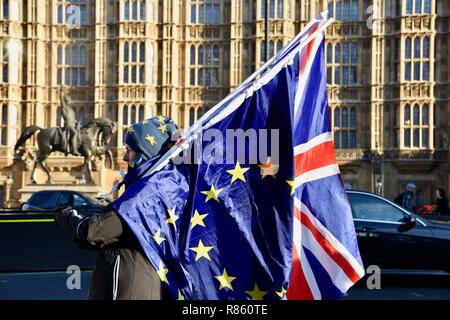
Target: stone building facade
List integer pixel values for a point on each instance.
(387, 64)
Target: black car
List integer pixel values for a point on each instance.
(46, 200)
(394, 238)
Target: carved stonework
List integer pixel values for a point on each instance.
(352, 154)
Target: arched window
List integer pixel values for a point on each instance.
(134, 10)
(192, 55)
(141, 113)
(416, 115)
(81, 116)
(338, 10)
(425, 114)
(407, 114)
(133, 114)
(346, 10)
(133, 74)
(126, 74)
(408, 48)
(271, 49)
(408, 6)
(426, 47)
(416, 48)
(426, 6)
(345, 48)
(125, 115)
(272, 9)
(418, 6)
(353, 117)
(142, 74)
(329, 53)
(83, 55)
(142, 10)
(337, 117)
(355, 10)
(126, 52)
(280, 9)
(126, 10)
(133, 52)
(215, 55)
(354, 53)
(142, 52)
(59, 59)
(199, 113)
(344, 117)
(191, 116)
(200, 55)
(337, 53)
(279, 45)
(262, 51)
(416, 138)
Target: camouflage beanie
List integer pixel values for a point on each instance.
(151, 137)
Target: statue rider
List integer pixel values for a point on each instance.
(71, 126)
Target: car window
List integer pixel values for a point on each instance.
(79, 201)
(372, 208)
(64, 199)
(44, 199)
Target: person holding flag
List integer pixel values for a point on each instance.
(122, 270)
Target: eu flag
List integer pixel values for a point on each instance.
(260, 211)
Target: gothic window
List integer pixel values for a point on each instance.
(71, 65)
(417, 59)
(205, 11)
(416, 129)
(207, 67)
(344, 127)
(344, 66)
(132, 64)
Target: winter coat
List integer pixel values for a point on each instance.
(122, 271)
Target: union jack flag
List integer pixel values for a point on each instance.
(280, 228)
(326, 260)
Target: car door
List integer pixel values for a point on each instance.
(384, 237)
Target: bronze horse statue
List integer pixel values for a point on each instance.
(93, 140)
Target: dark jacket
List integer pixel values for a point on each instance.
(442, 206)
(121, 271)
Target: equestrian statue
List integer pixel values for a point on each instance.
(88, 141)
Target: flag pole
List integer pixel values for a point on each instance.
(189, 136)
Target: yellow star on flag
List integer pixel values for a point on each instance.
(158, 237)
(292, 184)
(225, 280)
(150, 139)
(281, 293)
(144, 121)
(197, 219)
(162, 273)
(256, 294)
(180, 296)
(201, 251)
(172, 217)
(161, 119)
(238, 173)
(163, 128)
(212, 194)
(268, 168)
(130, 130)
